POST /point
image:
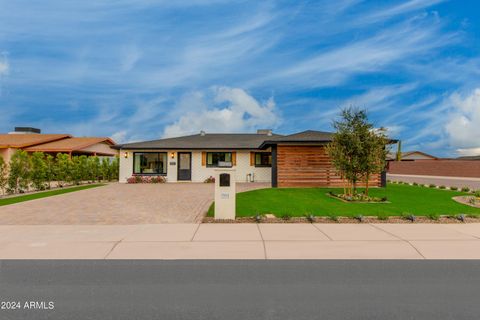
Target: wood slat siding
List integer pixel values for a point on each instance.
(309, 166)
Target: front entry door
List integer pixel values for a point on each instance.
(184, 166)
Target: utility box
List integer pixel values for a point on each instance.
(225, 194)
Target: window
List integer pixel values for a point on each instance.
(219, 159)
(150, 163)
(263, 159)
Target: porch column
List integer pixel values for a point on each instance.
(274, 166)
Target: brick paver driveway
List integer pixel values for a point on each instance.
(120, 204)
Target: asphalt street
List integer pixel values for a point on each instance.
(236, 289)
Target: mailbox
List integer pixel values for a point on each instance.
(225, 194)
(224, 180)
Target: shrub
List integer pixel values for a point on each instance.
(62, 169)
(415, 184)
(146, 179)
(19, 175)
(409, 216)
(465, 189)
(38, 170)
(433, 216)
(3, 175)
(442, 187)
(310, 217)
(460, 217)
(286, 216)
(94, 168)
(359, 217)
(209, 180)
(477, 194)
(333, 216)
(431, 185)
(453, 188)
(258, 218)
(382, 216)
(50, 166)
(114, 168)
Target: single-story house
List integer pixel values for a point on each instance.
(298, 159)
(411, 156)
(32, 140)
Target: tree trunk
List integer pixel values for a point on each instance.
(366, 184)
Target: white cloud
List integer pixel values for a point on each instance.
(130, 57)
(234, 111)
(119, 136)
(463, 125)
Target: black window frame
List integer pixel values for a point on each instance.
(262, 165)
(150, 174)
(216, 165)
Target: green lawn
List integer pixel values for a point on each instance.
(417, 200)
(33, 196)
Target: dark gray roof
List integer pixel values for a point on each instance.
(207, 141)
(301, 137)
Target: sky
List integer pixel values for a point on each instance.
(145, 69)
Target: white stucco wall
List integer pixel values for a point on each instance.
(199, 172)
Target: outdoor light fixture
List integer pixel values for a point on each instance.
(125, 155)
(172, 155)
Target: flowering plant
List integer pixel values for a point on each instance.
(146, 179)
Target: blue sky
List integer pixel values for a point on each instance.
(144, 69)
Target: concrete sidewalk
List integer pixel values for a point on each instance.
(242, 241)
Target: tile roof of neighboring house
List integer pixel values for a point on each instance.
(204, 141)
(469, 158)
(69, 145)
(27, 140)
(393, 155)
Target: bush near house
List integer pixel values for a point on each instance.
(209, 180)
(37, 171)
(146, 179)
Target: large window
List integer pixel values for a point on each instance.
(219, 159)
(150, 163)
(263, 159)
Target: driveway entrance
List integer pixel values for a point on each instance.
(120, 204)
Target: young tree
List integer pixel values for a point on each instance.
(19, 174)
(76, 170)
(114, 169)
(375, 150)
(38, 170)
(357, 149)
(105, 169)
(3, 175)
(94, 168)
(62, 169)
(50, 170)
(83, 167)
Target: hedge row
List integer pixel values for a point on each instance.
(38, 171)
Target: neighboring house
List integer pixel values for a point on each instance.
(284, 160)
(31, 140)
(469, 158)
(411, 156)
(90, 146)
